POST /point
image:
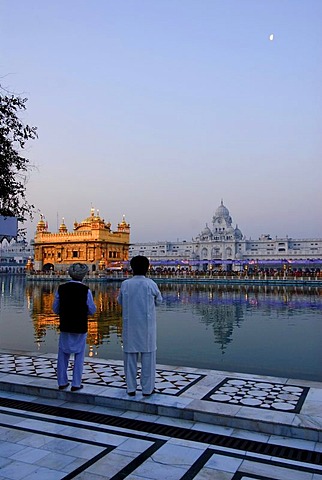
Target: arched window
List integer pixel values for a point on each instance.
(204, 254)
(215, 253)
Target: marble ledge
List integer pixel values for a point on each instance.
(312, 409)
(271, 416)
(214, 408)
(311, 425)
(11, 378)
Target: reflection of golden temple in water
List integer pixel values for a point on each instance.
(220, 308)
(106, 321)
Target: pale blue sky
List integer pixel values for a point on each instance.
(158, 109)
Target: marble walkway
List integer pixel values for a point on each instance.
(200, 424)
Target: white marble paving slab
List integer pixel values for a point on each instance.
(110, 465)
(16, 470)
(224, 463)
(30, 455)
(176, 455)
(153, 470)
(273, 471)
(134, 445)
(208, 474)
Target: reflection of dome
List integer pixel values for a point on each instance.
(222, 211)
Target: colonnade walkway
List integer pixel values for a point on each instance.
(200, 424)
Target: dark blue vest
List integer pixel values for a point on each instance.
(73, 311)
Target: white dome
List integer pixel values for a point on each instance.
(206, 231)
(222, 211)
(238, 233)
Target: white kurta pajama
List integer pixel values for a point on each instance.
(138, 297)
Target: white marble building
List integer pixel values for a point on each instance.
(14, 255)
(220, 243)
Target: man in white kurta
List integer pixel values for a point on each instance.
(139, 296)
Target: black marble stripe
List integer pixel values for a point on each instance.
(86, 465)
(139, 460)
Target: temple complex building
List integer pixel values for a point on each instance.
(91, 242)
(222, 246)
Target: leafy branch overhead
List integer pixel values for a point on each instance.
(14, 135)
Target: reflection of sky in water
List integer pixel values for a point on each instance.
(274, 331)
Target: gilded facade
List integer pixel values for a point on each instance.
(92, 242)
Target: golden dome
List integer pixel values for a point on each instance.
(93, 218)
(41, 221)
(93, 221)
(62, 227)
(41, 225)
(123, 225)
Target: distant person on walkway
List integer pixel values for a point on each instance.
(73, 303)
(139, 296)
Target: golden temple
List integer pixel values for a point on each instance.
(92, 242)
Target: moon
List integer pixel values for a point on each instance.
(271, 37)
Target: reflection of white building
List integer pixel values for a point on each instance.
(14, 255)
(221, 242)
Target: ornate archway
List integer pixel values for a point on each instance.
(48, 267)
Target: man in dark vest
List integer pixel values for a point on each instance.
(73, 303)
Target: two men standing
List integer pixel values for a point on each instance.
(138, 297)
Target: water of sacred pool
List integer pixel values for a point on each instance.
(263, 330)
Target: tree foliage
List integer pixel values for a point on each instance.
(14, 167)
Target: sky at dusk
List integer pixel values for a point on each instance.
(159, 109)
